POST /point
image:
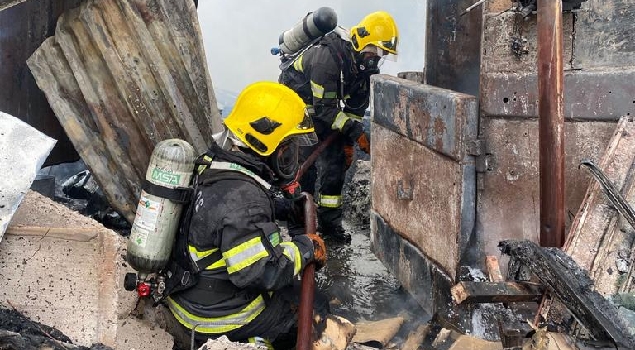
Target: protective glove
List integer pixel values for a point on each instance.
(319, 250)
(312, 249)
(357, 134)
(364, 143)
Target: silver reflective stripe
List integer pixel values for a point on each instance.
(330, 201)
(244, 255)
(217, 324)
(235, 167)
(292, 252)
(318, 90)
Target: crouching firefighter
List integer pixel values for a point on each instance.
(230, 272)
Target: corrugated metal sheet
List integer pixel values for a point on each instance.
(23, 28)
(122, 75)
(601, 240)
(5, 4)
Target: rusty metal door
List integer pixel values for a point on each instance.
(423, 181)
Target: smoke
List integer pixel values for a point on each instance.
(238, 35)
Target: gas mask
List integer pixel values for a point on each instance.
(370, 59)
(368, 64)
(284, 160)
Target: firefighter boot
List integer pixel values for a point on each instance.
(330, 225)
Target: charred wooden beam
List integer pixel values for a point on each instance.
(496, 292)
(573, 287)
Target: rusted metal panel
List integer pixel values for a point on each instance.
(22, 29)
(600, 239)
(508, 194)
(122, 76)
(603, 95)
(497, 6)
(604, 34)
(442, 120)
(453, 45)
(408, 193)
(420, 276)
(500, 30)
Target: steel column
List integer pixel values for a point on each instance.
(551, 122)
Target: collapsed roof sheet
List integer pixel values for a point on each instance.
(5, 4)
(121, 76)
(22, 152)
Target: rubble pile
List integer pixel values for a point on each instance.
(19, 332)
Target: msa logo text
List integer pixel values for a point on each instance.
(165, 177)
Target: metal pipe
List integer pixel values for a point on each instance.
(551, 122)
(307, 294)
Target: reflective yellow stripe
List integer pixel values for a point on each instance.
(217, 324)
(297, 64)
(310, 110)
(331, 94)
(317, 89)
(330, 201)
(292, 252)
(340, 119)
(201, 168)
(244, 255)
(198, 255)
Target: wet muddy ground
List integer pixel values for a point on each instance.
(361, 287)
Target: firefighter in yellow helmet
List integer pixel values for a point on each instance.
(231, 273)
(333, 79)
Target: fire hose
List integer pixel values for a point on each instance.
(307, 290)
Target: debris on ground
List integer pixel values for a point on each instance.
(23, 150)
(19, 332)
(378, 333)
(65, 270)
(356, 194)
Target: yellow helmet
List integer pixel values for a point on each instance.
(267, 113)
(379, 29)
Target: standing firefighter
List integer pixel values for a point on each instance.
(333, 78)
(234, 274)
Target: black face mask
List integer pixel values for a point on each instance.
(368, 65)
(284, 161)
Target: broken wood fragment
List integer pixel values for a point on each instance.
(495, 292)
(416, 337)
(493, 269)
(573, 288)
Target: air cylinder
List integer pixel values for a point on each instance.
(157, 217)
(312, 26)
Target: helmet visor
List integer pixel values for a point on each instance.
(390, 45)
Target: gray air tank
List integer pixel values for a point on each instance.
(312, 26)
(157, 218)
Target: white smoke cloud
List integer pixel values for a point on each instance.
(239, 34)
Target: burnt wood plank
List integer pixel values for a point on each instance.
(573, 287)
(495, 292)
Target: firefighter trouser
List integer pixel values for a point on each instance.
(327, 176)
(276, 323)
